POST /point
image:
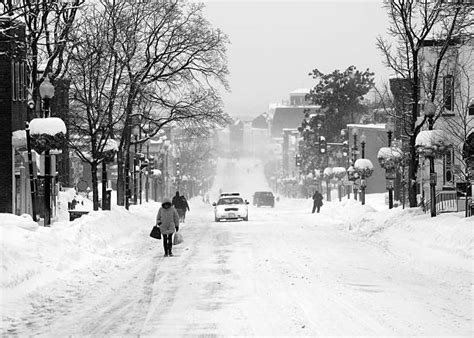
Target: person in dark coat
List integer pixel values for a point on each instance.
(168, 221)
(176, 202)
(179, 205)
(183, 208)
(317, 201)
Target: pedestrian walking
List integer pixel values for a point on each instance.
(317, 201)
(183, 208)
(168, 221)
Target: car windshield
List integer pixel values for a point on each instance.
(230, 200)
(264, 194)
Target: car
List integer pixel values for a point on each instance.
(231, 207)
(263, 198)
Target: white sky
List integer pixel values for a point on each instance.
(275, 44)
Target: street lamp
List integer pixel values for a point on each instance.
(390, 172)
(363, 139)
(135, 133)
(363, 183)
(46, 90)
(355, 152)
(430, 110)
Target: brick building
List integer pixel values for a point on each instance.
(13, 103)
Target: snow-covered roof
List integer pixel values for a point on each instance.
(49, 125)
(380, 126)
(300, 91)
(363, 163)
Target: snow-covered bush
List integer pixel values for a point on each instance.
(390, 157)
(47, 133)
(432, 142)
(364, 167)
(352, 174)
(339, 172)
(328, 173)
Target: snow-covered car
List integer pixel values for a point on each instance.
(230, 207)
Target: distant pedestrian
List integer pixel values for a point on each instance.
(184, 206)
(168, 221)
(317, 201)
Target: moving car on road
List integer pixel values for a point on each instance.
(263, 198)
(231, 206)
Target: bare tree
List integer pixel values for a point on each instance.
(48, 25)
(150, 64)
(166, 46)
(97, 77)
(413, 24)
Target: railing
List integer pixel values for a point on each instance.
(446, 201)
(470, 207)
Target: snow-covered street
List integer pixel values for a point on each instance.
(350, 270)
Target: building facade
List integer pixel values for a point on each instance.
(13, 103)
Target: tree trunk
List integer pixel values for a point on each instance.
(412, 174)
(120, 180)
(95, 188)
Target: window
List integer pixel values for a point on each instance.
(13, 86)
(448, 92)
(17, 80)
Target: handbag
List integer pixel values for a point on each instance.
(155, 232)
(178, 238)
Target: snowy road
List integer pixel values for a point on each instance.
(285, 272)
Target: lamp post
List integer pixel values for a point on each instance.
(430, 110)
(135, 133)
(46, 90)
(109, 153)
(390, 172)
(363, 184)
(355, 151)
(30, 169)
(150, 161)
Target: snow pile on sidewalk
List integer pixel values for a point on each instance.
(409, 232)
(31, 255)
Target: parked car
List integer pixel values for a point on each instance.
(263, 198)
(231, 207)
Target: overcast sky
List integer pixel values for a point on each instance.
(275, 44)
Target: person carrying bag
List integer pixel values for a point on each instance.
(168, 221)
(155, 232)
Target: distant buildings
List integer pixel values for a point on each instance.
(291, 115)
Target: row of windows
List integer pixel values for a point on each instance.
(19, 81)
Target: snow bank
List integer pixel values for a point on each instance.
(409, 232)
(30, 259)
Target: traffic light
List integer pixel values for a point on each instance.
(177, 169)
(345, 149)
(322, 145)
(151, 163)
(298, 160)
